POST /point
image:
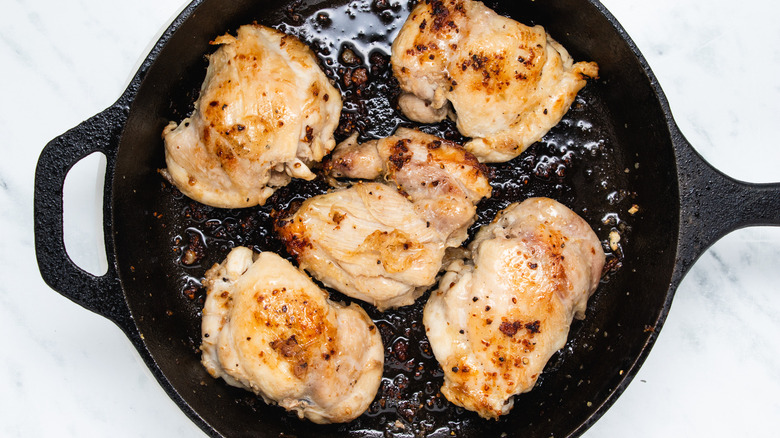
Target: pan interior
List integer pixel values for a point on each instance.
(611, 152)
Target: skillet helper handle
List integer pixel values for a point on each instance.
(100, 294)
(713, 204)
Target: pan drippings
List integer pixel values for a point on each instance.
(575, 163)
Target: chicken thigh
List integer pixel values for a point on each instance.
(269, 329)
(383, 242)
(504, 83)
(498, 316)
(443, 181)
(265, 114)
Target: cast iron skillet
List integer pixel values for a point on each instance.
(617, 148)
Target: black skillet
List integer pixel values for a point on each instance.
(617, 158)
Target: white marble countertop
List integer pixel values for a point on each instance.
(65, 372)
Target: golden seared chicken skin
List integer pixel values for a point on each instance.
(266, 113)
(268, 328)
(501, 312)
(366, 241)
(383, 241)
(505, 84)
(443, 181)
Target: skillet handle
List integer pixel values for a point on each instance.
(713, 204)
(100, 294)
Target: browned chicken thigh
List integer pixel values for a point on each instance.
(383, 242)
(269, 329)
(443, 181)
(504, 83)
(265, 114)
(499, 314)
